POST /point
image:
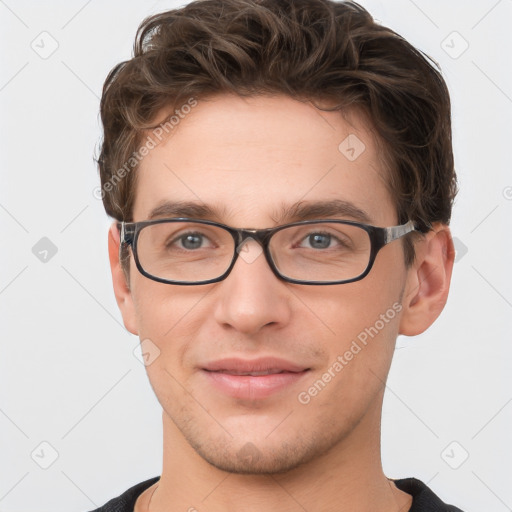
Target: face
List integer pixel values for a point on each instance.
(251, 160)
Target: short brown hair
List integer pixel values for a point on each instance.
(306, 49)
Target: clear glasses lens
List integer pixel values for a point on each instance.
(321, 251)
(193, 252)
(185, 251)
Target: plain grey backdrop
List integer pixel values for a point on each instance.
(79, 423)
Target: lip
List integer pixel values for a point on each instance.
(225, 376)
(239, 365)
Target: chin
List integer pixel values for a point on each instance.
(268, 456)
(249, 460)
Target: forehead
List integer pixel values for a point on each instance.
(247, 158)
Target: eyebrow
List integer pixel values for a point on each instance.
(185, 209)
(302, 210)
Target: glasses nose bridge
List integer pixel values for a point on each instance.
(261, 236)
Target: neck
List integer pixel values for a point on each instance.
(348, 476)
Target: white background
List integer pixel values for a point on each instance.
(68, 373)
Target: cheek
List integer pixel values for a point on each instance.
(168, 316)
(365, 323)
(363, 318)
(161, 307)
(350, 309)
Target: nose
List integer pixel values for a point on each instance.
(252, 296)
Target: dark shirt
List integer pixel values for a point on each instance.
(423, 499)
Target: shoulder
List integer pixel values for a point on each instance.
(126, 501)
(424, 499)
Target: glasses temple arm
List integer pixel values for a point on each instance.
(395, 232)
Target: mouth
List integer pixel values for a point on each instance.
(271, 371)
(262, 366)
(253, 379)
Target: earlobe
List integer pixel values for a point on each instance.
(428, 281)
(122, 291)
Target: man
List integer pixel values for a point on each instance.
(281, 177)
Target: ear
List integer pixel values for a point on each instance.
(428, 281)
(121, 289)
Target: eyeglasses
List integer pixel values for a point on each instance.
(186, 251)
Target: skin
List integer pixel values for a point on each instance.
(250, 155)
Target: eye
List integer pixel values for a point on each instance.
(321, 240)
(189, 241)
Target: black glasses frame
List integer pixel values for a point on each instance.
(379, 237)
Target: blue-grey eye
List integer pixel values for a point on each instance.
(319, 240)
(191, 241)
